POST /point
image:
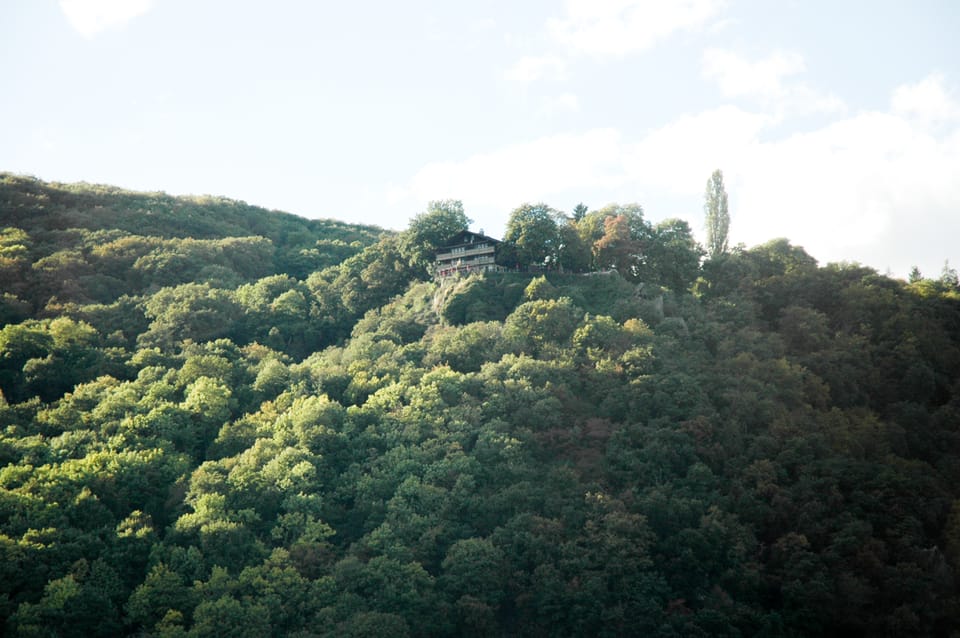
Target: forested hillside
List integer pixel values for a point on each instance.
(220, 420)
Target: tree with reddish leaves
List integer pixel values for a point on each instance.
(617, 249)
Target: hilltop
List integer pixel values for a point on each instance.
(83, 243)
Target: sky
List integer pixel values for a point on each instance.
(836, 123)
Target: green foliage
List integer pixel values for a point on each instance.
(573, 253)
(716, 215)
(475, 567)
(259, 425)
(672, 257)
(465, 348)
(537, 323)
(195, 312)
(368, 280)
(478, 298)
(533, 235)
(539, 288)
(82, 603)
(429, 230)
(92, 244)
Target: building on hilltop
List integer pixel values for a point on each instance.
(466, 252)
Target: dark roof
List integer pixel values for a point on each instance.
(467, 237)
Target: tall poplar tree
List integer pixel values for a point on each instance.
(717, 215)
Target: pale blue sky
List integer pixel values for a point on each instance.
(837, 124)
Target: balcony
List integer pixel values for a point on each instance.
(448, 256)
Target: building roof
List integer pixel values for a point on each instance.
(467, 237)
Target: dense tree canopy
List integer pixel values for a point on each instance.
(533, 235)
(429, 230)
(214, 443)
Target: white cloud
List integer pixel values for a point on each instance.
(873, 187)
(929, 100)
(525, 172)
(740, 77)
(613, 28)
(766, 80)
(532, 68)
(681, 155)
(483, 24)
(617, 27)
(91, 17)
(876, 187)
(563, 103)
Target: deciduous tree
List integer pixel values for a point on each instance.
(430, 229)
(532, 230)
